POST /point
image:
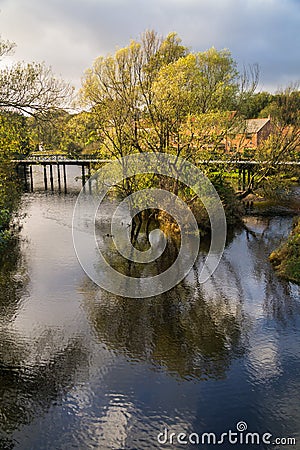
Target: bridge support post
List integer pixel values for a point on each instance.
(25, 176)
(51, 177)
(65, 177)
(58, 177)
(45, 177)
(89, 175)
(83, 174)
(31, 177)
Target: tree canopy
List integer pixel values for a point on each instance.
(150, 95)
(25, 90)
(30, 88)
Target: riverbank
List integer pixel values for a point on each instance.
(10, 196)
(286, 259)
(9, 203)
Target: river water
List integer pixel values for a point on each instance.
(84, 369)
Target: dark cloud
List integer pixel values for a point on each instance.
(69, 34)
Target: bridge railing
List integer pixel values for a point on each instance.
(95, 158)
(56, 157)
(246, 162)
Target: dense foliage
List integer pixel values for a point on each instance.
(13, 140)
(286, 259)
(157, 96)
(26, 90)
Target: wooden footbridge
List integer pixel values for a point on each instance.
(57, 163)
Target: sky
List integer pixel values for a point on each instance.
(69, 34)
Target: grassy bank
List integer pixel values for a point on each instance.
(286, 259)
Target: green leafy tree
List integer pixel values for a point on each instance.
(145, 94)
(30, 88)
(217, 80)
(25, 90)
(286, 259)
(272, 176)
(257, 105)
(47, 130)
(80, 135)
(155, 95)
(9, 189)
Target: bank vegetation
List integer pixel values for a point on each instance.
(286, 259)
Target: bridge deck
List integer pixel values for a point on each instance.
(55, 160)
(60, 161)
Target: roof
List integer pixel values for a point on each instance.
(254, 125)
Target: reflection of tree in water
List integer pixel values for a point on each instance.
(196, 330)
(13, 280)
(179, 330)
(28, 388)
(278, 303)
(33, 375)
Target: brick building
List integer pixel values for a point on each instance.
(255, 131)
